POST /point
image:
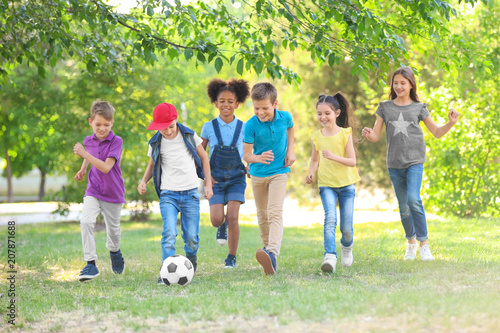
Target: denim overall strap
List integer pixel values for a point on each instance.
(236, 134)
(215, 124)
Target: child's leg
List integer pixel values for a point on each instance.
(329, 201)
(217, 202)
(346, 208)
(277, 193)
(414, 183)
(91, 209)
(169, 207)
(232, 216)
(217, 215)
(112, 214)
(190, 220)
(399, 183)
(261, 194)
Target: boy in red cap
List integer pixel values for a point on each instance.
(176, 161)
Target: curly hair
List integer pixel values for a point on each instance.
(237, 86)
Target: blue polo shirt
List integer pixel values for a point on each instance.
(226, 131)
(269, 135)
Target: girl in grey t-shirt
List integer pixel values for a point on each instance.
(402, 115)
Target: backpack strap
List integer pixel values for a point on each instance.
(237, 132)
(215, 124)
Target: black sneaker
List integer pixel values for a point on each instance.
(88, 273)
(194, 261)
(160, 281)
(221, 236)
(230, 262)
(117, 262)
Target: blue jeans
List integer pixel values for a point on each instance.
(345, 196)
(407, 183)
(188, 204)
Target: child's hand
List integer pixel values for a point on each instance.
(289, 159)
(214, 181)
(310, 178)
(366, 131)
(142, 188)
(453, 116)
(79, 150)
(80, 175)
(208, 192)
(267, 157)
(328, 154)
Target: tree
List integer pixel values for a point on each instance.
(368, 32)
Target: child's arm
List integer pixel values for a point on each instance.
(148, 173)
(439, 131)
(313, 165)
(373, 135)
(290, 155)
(80, 175)
(265, 158)
(349, 161)
(206, 170)
(103, 166)
(204, 143)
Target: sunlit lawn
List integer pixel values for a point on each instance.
(459, 291)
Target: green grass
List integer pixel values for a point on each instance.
(459, 291)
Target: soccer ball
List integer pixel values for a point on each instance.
(177, 269)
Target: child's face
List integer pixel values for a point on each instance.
(171, 131)
(401, 86)
(264, 109)
(226, 103)
(101, 126)
(327, 117)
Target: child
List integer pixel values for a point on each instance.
(268, 147)
(105, 189)
(176, 161)
(224, 135)
(406, 153)
(336, 176)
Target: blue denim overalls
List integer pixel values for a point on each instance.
(225, 161)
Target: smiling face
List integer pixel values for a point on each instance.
(171, 131)
(101, 126)
(327, 117)
(401, 86)
(264, 109)
(226, 103)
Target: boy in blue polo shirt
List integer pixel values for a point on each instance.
(268, 147)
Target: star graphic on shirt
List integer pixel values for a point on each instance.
(400, 125)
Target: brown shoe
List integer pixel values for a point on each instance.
(265, 261)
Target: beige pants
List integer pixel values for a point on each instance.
(269, 193)
(111, 213)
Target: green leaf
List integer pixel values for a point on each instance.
(239, 67)
(269, 46)
(150, 11)
(201, 57)
(218, 64)
(188, 54)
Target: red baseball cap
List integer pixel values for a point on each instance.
(163, 115)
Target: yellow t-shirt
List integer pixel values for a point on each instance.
(331, 173)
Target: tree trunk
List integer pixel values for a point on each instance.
(8, 171)
(41, 192)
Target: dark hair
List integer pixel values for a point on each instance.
(264, 90)
(102, 108)
(408, 74)
(239, 87)
(336, 102)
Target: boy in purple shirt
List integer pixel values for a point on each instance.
(105, 189)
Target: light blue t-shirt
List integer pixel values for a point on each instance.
(269, 136)
(226, 131)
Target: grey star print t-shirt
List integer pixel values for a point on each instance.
(405, 139)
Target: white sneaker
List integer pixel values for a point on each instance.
(425, 253)
(346, 258)
(329, 263)
(411, 251)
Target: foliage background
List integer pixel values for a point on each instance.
(46, 95)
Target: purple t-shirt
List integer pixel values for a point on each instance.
(106, 187)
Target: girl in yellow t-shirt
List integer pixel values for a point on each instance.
(334, 155)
